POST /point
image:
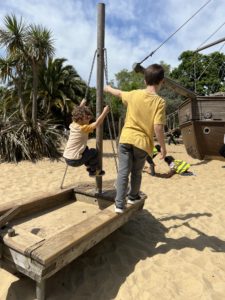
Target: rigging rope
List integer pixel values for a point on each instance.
(196, 58)
(89, 78)
(209, 63)
(175, 31)
(211, 35)
(107, 82)
(111, 113)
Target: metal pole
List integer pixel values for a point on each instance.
(100, 82)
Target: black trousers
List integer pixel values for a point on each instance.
(89, 159)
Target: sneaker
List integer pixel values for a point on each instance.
(133, 201)
(119, 210)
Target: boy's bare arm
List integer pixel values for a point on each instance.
(113, 91)
(159, 132)
(101, 118)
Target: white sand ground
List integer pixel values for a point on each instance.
(173, 249)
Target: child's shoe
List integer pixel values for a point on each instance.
(133, 201)
(119, 210)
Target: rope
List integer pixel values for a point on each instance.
(90, 74)
(195, 58)
(110, 104)
(209, 63)
(175, 31)
(211, 35)
(111, 113)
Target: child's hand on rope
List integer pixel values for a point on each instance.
(106, 109)
(83, 102)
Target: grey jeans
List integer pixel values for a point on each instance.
(131, 161)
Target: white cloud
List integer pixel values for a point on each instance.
(134, 28)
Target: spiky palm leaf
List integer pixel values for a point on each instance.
(22, 141)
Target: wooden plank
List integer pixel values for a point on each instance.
(48, 200)
(178, 88)
(9, 215)
(23, 264)
(23, 241)
(81, 237)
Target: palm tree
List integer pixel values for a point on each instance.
(12, 67)
(39, 47)
(61, 86)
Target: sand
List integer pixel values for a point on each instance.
(173, 249)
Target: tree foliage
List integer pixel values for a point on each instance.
(203, 74)
(38, 92)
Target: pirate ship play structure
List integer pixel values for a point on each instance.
(202, 122)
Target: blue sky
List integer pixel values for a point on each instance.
(133, 29)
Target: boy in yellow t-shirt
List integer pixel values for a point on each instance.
(77, 152)
(145, 115)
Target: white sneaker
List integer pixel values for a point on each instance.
(133, 201)
(119, 210)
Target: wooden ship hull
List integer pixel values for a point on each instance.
(38, 248)
(202, 124)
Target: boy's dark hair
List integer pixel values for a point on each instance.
(79, 112)
(169, 159)
(158, 147)
(154, 74)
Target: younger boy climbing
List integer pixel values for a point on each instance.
(77, 152)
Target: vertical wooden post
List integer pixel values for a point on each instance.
(40, 290)
(100, 82)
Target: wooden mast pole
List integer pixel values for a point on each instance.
(210, 45)
(100, 83)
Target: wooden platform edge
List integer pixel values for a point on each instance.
(31, 205)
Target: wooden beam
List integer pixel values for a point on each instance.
(9, 215)
(48, 200)
(178, 88)
(72, 242)
(210, 45)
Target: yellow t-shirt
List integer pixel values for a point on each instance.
(77, 141)
(144, 109)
